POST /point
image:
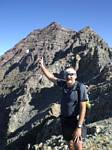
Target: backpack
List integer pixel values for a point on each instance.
(88, 103)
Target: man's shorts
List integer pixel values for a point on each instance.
(69, 124)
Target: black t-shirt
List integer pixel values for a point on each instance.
(70, 99)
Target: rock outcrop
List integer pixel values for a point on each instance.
(29, 102)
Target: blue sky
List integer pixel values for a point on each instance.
(20, 17)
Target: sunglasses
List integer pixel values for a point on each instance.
(66, 74)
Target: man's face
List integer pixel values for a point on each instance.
(70, 76)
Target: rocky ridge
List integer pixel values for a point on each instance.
(24, 90)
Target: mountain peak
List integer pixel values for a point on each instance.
(86, 29)
(56, 25)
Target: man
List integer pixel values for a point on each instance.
(71, 107)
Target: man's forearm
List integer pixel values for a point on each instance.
(82, 113)
(48, 74)
(77, 65)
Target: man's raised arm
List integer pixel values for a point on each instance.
(46, 72)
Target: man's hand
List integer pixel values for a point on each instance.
(78, 58)
(77, 135)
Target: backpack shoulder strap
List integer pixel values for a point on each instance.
(78, 90)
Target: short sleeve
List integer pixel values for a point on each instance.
(61, 82)
(83, 93)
